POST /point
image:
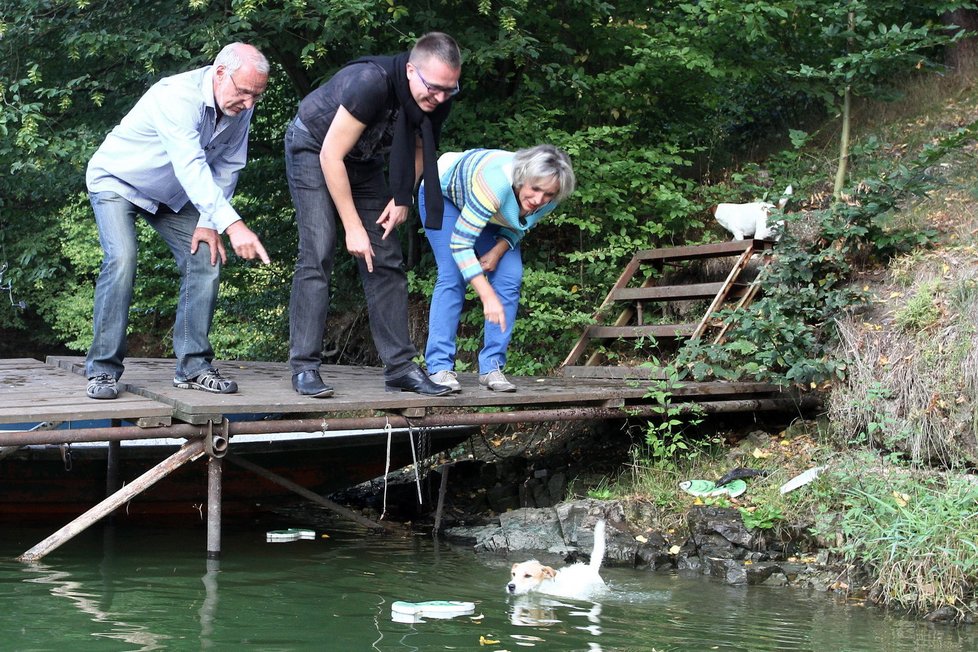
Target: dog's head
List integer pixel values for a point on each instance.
(527, 576)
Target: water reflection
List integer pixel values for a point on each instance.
(153, 589)
(541, 611)
(96, 606)
(208, 608)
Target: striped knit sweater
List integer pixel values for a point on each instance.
(480, 183)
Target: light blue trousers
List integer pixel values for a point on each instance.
(449, 296)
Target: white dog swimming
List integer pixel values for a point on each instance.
(577, 581)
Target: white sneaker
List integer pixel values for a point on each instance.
(496, 381)
(448, 378)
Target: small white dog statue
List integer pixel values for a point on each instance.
(750, 219)
(578, 581)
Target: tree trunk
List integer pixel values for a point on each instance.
(840, 174)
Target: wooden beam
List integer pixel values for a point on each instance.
(693, 252)
(309, 495)
(635, 332)
(722, 295)
(676, 292)
(187, 453)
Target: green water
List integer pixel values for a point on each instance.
(143, 588)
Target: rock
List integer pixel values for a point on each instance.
(689, 564)
(736, 572)
(469, 536)
(502, 497)
(562, 529)
(720, 532)
(777, 578)
(532, 529)
(654, 553)
(945, 614)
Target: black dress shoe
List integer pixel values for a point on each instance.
(310, 383)
(418, 382)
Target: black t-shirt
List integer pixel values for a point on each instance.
(364, 90)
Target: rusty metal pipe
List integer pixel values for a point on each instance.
(326, 424)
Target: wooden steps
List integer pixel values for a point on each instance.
(634, 321)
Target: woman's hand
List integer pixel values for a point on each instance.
(490, 260)
(392, 217)
(493, 311)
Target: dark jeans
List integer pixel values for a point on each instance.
(317, 218)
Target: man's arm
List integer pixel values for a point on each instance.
(344, 132)
(178, 127)
(177, 120)
(394, 215)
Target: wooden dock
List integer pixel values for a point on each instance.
(34, 391)
(308, 446)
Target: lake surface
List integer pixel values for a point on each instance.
(136, 587)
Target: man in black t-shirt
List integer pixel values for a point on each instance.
(371, 110)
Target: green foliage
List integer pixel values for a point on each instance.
(604, 491)
(643, 100)
(671, 441)
(784, 335)
(761, 517)
(921, 311)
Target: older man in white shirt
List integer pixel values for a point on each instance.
(174, 162)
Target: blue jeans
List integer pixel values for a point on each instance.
(449, 295)
(199, 283)
(385, 287)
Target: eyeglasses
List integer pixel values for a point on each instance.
(434, 88)
(255, 97)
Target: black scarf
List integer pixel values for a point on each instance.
(410, 118)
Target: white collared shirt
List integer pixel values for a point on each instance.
(169, 150)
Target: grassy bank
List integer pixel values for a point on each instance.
(884, 327)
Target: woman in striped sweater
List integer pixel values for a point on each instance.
(492, 198)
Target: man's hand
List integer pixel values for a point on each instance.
(358, 244)
(213, 241)
(245, 243)
(392, 217)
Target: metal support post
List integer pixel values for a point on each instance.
(214, 469)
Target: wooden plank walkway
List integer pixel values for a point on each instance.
(265, 388)
(33, 477)
(32, 391)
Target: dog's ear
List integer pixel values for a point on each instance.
(514, 567)
(548, 572)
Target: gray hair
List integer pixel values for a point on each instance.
(544, 162)
(234, 55)
(438, 45)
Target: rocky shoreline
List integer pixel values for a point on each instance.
(509, 493)
(716, 544)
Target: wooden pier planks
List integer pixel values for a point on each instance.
(32, 391)
(265, 388)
